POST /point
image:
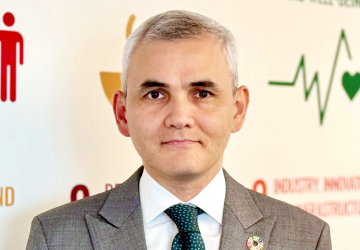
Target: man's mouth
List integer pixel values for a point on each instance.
(182, 142)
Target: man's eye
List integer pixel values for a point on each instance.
(203, 94)
(155, 95)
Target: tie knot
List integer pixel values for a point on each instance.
(185, 217)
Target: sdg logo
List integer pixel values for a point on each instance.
(350, 83)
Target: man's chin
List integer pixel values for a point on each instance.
(181, 167)
(184, 172)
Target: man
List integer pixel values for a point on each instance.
(180, 103)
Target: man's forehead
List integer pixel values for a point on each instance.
(159, 60)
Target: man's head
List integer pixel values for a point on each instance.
(180, 105)
(179, 25)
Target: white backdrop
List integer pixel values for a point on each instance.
(60, 131)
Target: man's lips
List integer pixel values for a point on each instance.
(181, 142)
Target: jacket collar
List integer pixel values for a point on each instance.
(122, 201)
(241, 203)
(120, 224)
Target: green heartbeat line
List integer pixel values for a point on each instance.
(315, 81)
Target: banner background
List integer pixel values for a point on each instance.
(60, 132)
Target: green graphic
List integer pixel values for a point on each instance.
(350, 83)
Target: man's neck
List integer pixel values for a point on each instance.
(185, 187)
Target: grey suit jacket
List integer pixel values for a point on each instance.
(113, 220)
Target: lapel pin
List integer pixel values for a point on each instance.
(255, 243)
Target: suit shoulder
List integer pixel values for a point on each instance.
(284, 212)
(89, 205)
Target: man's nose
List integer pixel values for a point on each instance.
(180, 113)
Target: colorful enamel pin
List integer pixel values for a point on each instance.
(255, 243)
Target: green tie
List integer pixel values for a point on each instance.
(185, 218)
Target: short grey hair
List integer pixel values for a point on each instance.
(181, 24)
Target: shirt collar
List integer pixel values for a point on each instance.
(155, 199)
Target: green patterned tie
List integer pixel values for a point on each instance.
(185, 218)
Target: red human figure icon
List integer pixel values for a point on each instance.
(8, 40)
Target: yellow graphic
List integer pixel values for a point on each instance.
(129, 25)
(111, 81)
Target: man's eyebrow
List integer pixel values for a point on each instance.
(150, 84)
(204, 83)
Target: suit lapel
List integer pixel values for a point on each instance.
(242, 219)
(119, 224)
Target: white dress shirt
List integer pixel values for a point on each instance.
(160, 230)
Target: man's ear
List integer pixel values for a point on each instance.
(241, 104)
(119, 112)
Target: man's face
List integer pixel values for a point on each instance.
(180, 108)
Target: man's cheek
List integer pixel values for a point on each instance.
(212, 121)
(150, 126)
(209, 128)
